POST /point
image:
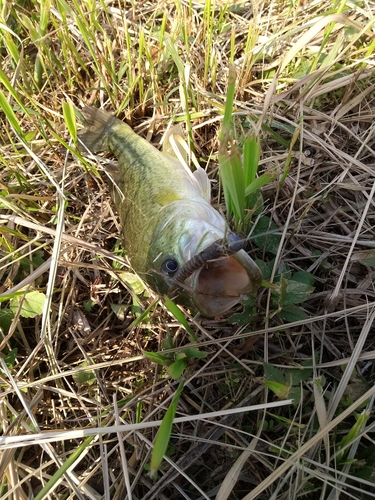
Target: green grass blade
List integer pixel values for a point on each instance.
(258, 183)
(164, 432)
(62, 470)
(232, 177)
(177, 313)
(70, 119)
(251, 153)
(9, 113)
(230, 165)
(228, 111)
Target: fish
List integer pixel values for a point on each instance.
(167, 220)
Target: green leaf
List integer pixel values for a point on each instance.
(10, 358)
(32, 305)
(282, 391)
(292, 313)
(365, 257)
(299, 375)
(263, 235)
(86, 377)
(70, 462)
(160, 359)
(296, 292)
(353, 433)
(120, 310)
(178, 314)
(266, 268)
(194, 352)
(164, 433)
(251, 152)
(70, 119)
(295, 393)
(6, 318)
(232, 178)
(8, 111)
(258, 183)
(272, 373)
(304, 277)
(284, 271)
(283, 283)
(177, 368)
(255, 202)
(133, 281)
(228, 111)
(247, 315)
(168, 342)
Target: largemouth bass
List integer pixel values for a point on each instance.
(167, 219)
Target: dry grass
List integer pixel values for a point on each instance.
(306, 71)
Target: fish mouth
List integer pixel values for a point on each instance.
(222, 283)
(218, 277)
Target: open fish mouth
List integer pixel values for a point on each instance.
(219, 276)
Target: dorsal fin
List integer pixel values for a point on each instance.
(175, 145)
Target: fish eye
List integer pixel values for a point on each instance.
(169, 267)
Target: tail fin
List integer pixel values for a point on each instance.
(98, 125)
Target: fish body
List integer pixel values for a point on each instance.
(167, 218)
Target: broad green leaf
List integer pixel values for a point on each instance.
(194, 352)
(299, 375)
(247, 315)
(265, 267)
(177, 368)
(292, 313)
(89, 304)
(264, 236)
(296, 292)
(181, 355)
(295, 393)
(272, 373)
(160, 359)
(284, 271)
(86, 377)
(255, 202)
(6, 318)
(168, 342)
(304, 277)
(164, 432)
(32, 305)
(10, 358)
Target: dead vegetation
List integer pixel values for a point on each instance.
(79, 403)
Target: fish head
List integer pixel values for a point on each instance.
(219, 284)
